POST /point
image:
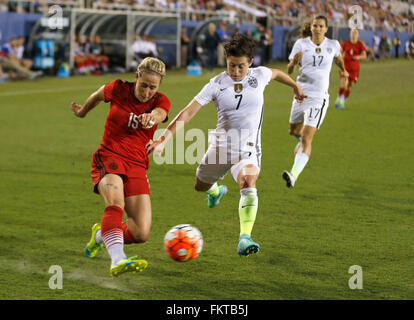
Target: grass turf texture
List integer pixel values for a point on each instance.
(352, 205)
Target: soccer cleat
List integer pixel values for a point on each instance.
(339, 105)
(214, 201)
(289, 178)
(131, 264)
(93, 247)
(247, 245)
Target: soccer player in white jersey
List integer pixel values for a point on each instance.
(315, 54)
(238, 97)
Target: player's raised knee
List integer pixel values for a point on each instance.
(248, 181)
(142, 238)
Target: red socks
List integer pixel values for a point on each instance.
(344, 92)
(113, 230)
(128, 237)
(347, 93)
(111, 226)
(111, 219)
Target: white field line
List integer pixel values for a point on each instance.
(41, 91)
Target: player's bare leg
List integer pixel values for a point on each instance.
(214, 192)
(307, 139)
(248, 205)
(111, 189)
(301, 157)
(247, 177)
(295, 130)
(138, 210)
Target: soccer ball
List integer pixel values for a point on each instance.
(183, 242)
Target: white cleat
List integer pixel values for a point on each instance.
(289, 178)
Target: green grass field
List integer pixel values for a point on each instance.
(353, 204)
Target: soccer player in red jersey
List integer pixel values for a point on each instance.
(120, 163)
(353, 51)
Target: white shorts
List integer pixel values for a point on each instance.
(311, 112)
(215, 164)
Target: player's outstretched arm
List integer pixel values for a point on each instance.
(93, 100)
(179, 121)
(282, 77)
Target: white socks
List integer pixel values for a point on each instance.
(301, 159)
(98, 237)
(114, 243)
(116, 251)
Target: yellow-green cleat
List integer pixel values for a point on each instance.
(213, 202)
(93, 247)
(131, 264)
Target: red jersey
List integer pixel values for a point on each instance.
(350, 51)
(123, 133)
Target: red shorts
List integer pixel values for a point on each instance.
(134, 176)
(353, 75)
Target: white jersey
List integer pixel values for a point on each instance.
(239, 108)
(316, 64)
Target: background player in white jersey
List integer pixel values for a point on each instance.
(314, 53)
(238, 96)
